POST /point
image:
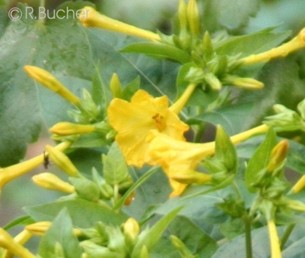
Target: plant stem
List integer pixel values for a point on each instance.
(248, 237)
(286, 235)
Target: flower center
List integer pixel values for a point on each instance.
(159, 122)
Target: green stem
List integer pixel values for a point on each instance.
(248, 236)
(286, 235)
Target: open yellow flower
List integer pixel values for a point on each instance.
(135, 119)
(179, 160)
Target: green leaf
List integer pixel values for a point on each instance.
(149, 237)
(228, 14)
(259, 160)
(115, 169)
(295, 157)
(225, 150)
(159, 50)
(85, 188)
(60, 234)
(83, 213)
(233, 118)
(252, 43)
(55, 46)
(197, 241)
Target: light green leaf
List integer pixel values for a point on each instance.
(83, 213)
(60, 234)
(115, 169)
(230, 14)
(252, 43)
(159, 50)
(259, 160)
(197, 241)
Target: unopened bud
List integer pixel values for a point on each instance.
(62, 161)
(52, 182)
(278, 155)
(49, 81)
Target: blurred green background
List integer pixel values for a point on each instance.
(63, 49)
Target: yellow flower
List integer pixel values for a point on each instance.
(178, 159)
(10, 173)
(50, 82)
(135, 119)
(274, 240)
(91, 18)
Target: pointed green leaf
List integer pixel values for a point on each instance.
(159, 50)
(60, 234)
(259, 160)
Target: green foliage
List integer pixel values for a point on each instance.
(113, 209)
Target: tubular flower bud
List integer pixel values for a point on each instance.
(193, 17)
(52, 182)
(115, 86)
(182, 16)
(39, 228)
(245, 83)
(283, 50)
(91, 18)
(131, 228)
(278, 155)
(274, 240)
(299, 185)
(10, 173)
(67, 128)
(49, 81)
(62, 160)
(191, 177)
(8, 243)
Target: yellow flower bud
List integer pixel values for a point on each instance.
(191, 177)
(67, 128)
(115, 86)
(91, 18)
(182, 16)
(245, 83)
(193, 17)
(278, 155)
(61, 160)
(49, 81)
(8, 243)
(299, 185)
(52, 182)
(283, 50)
(39, 228)
(10, 173)
(131, 228)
